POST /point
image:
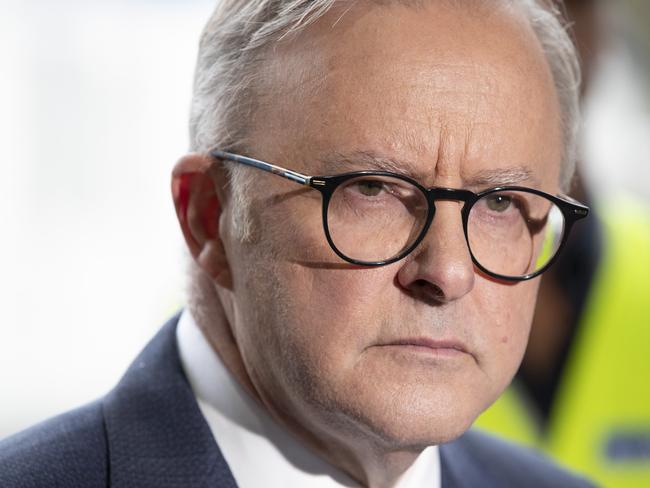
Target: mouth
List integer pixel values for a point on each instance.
(423, 345)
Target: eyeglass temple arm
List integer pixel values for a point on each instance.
(256, 163)
(578, 210)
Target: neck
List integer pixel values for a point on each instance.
(359, 454)
(370, 466)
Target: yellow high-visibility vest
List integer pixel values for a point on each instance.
(600, 418)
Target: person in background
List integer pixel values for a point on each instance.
(582, 393)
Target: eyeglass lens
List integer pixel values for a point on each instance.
(510, 233)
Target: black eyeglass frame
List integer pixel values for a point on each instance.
(571, 209)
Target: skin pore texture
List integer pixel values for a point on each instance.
(460, 96)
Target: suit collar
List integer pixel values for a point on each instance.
(155, 432)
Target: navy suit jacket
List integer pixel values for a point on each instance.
(149, 432)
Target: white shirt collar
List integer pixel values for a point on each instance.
(259, 451)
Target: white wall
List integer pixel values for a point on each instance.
(94, 99)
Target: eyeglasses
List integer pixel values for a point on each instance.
(374, 218)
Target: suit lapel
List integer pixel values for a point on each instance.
(460, 468)
(156, 434)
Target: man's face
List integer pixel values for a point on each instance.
(410, 353)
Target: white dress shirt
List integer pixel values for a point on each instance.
(258, 450)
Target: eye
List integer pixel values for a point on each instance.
(498, 203)
(369, 188)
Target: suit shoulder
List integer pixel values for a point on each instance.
(66, 451)
(508, 464)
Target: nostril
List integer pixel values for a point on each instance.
(427, 292)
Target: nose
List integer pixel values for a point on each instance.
(440, 269)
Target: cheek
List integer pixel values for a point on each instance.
(322, 307)
(511, 308)
(289, 229)
(344, 307)
(305, 336)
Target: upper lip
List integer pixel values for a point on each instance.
(430, 343)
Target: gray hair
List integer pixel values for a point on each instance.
(238, 32)
(230, 59)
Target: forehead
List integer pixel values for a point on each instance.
(450, 90)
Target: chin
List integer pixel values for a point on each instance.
(413, 415)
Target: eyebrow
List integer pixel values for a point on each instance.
(336, 162)
(503, 176)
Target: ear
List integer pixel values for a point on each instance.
(198, 198)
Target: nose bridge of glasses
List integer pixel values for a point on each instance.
(446, 222)
(442, 251)
(449, 194)
(437, 217)
(445, 226)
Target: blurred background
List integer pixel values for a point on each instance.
(94, 101)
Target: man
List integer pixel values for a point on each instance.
(369, 202)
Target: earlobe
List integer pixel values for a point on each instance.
(198, 208)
